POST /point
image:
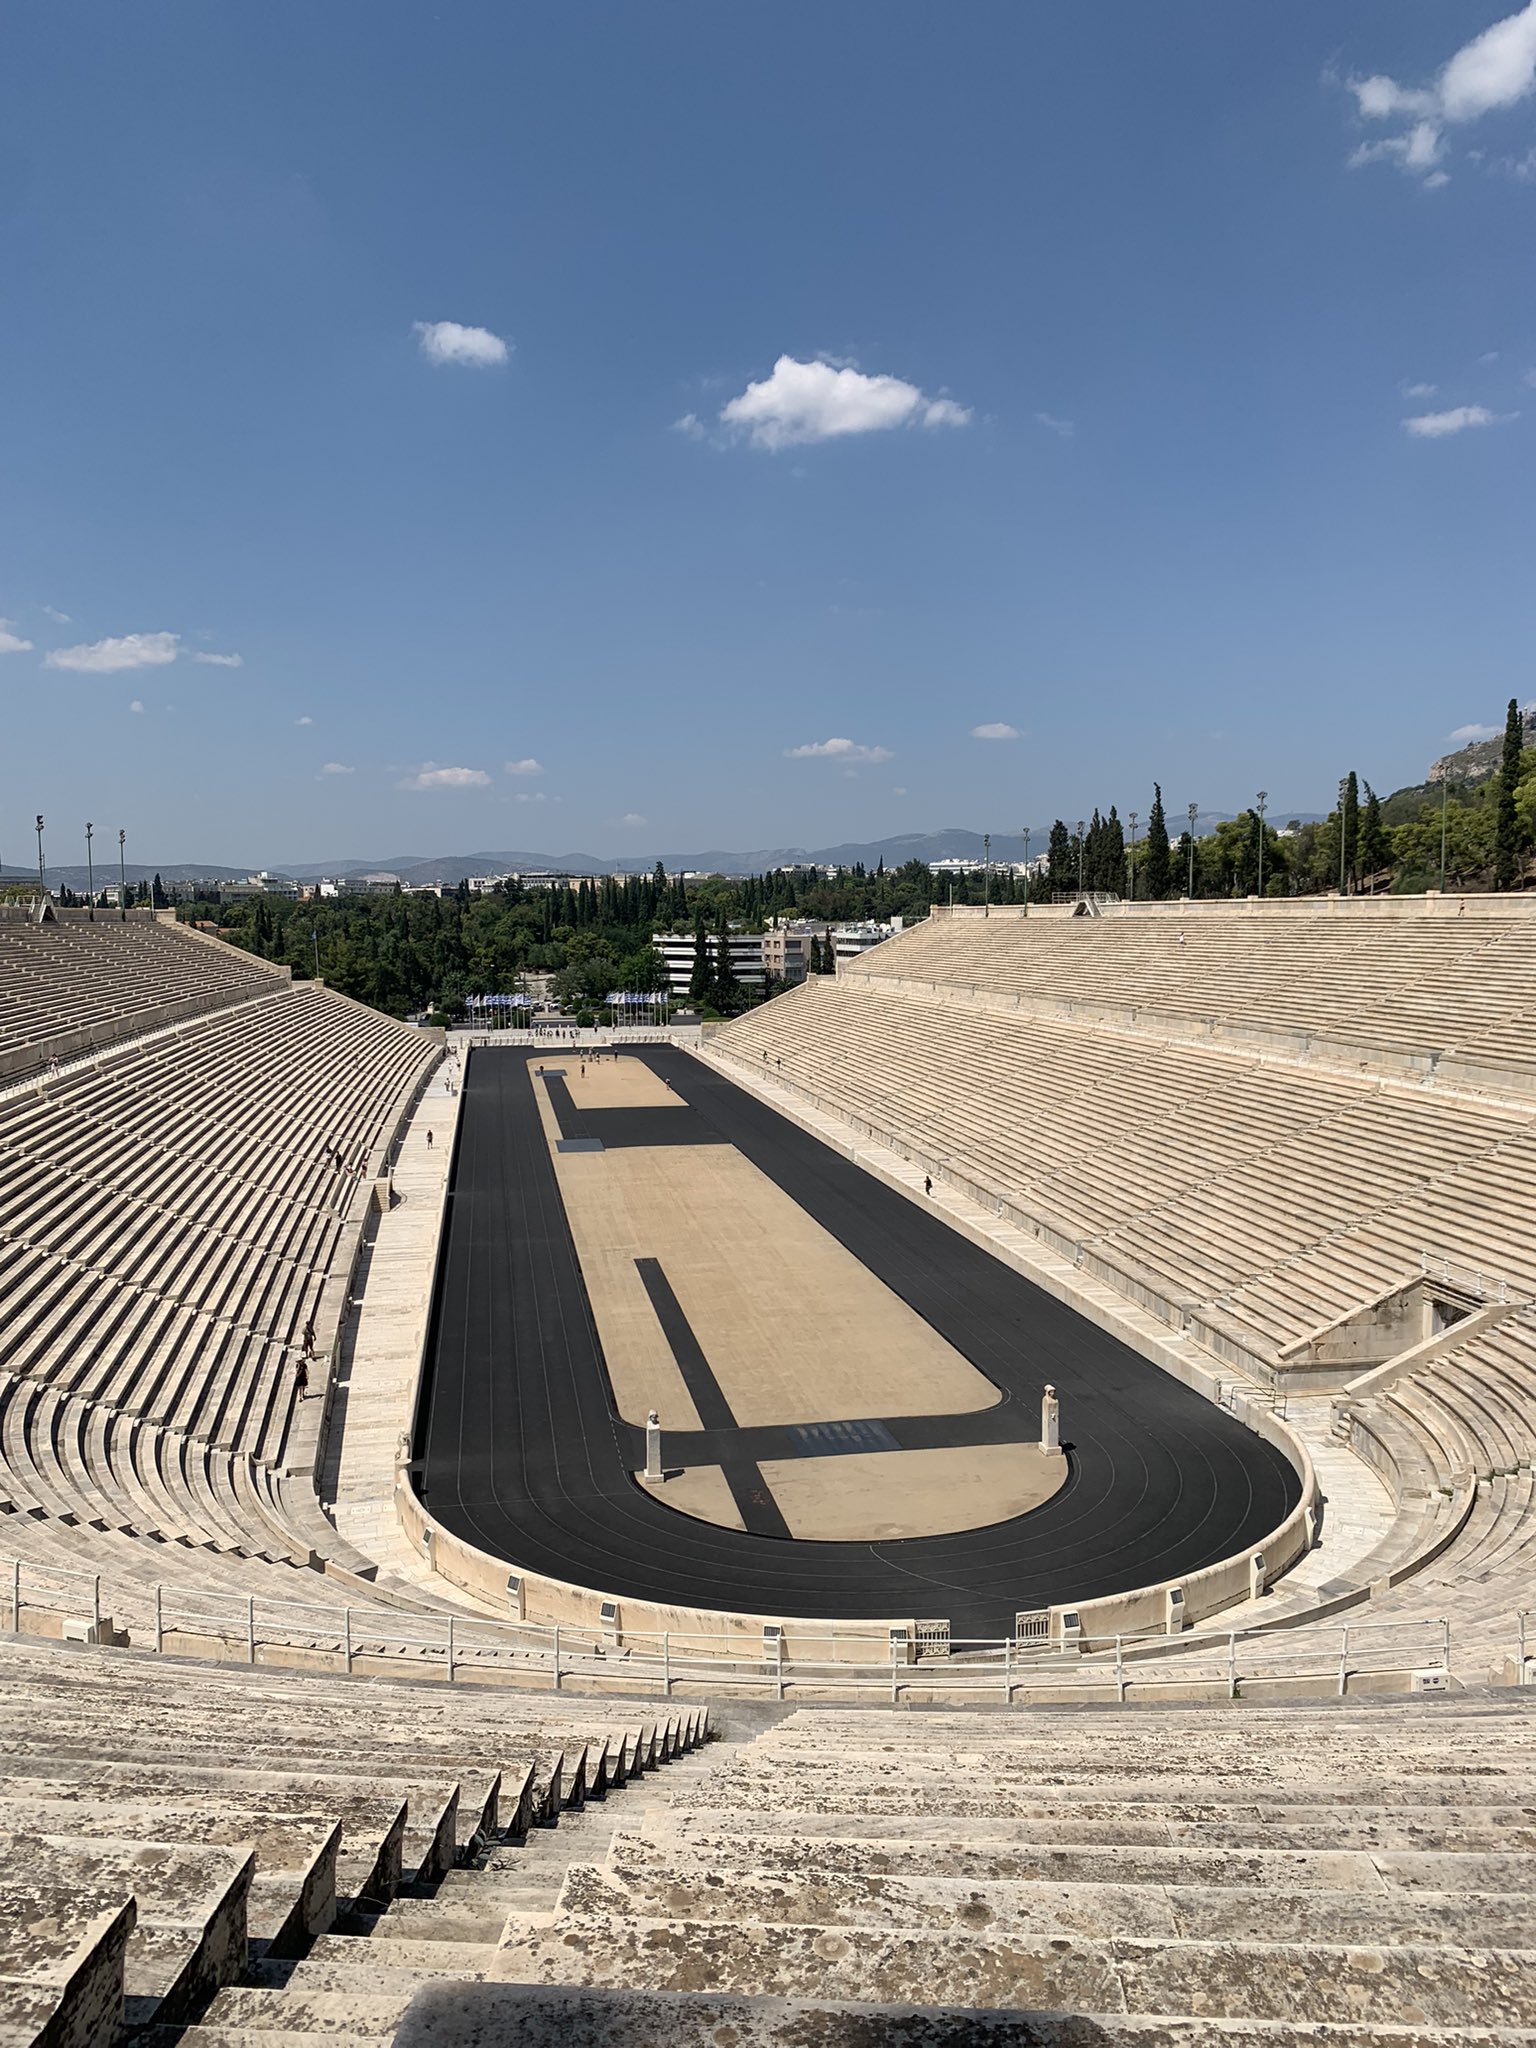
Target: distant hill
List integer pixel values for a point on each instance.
(953, 843)
(1479, 759)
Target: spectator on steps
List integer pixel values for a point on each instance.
(429, 1141)
(301, 1379)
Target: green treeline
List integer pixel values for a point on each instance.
(1484, 831)
(402, 952)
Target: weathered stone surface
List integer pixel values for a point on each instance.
(817, 1897)
(768, 1855)
(804, 1962)
(1321, 1983)
(1473, 1829)
(497, 2015)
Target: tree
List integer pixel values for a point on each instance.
(157, 894)
(1156, 866)
(1506, 854)
(1061, 859)
(1112, 869)
(701, 983)
(1349, 830)
(727, 987)
(1375, 847)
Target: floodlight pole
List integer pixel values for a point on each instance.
(1081, 828)
(1131, 858)
(90, 870)
(42, 876)
(1263, 800)
(122, 877)
(1194, 812)
(986, 874)
(1026, 871)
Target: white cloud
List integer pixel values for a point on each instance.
(337, 768)
(1418, 390)
(1465, 734)
(1434, 426)
(1065, 428)
(899, 790)
(1497, 69)
(837, 750)
(445, 341)
(527, 767)
(306, 720)
(136, 705)
(995, 732)
(633, 818)
(104, 657)
(58, 618)
(221, 660)
(430, 776)
(12, 643)
(528, 796)
(820, 401)
(691, 425)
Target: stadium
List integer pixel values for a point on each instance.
(992, 1496)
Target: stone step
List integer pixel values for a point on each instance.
(460, 1918)
(1186, 1912)
(322, 2014)
(491, 2015)
(1474, 1829)
(338, 1961)
(1316, 1982)
(791, 1857)
(218, 2036)
(894, 1785)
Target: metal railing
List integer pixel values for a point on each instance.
(51, 1600)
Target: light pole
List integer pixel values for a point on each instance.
(42, 877)
(1343, 841)
(122, 877)
(1263, 800)
(1194, 812)
(1131, 859)
(986, 874)
(1026, 871)
(1445, 793)
(1081, 827)
(90, 870)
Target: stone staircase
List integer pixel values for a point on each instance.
(171, 1834)
(1362, 1874)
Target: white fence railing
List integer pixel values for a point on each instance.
(49, 1600)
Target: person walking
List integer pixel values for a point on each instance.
(301, 1379)
(309, 1340)
(429, 1141)
(927, 1183)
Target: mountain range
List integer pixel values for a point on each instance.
(954, 843)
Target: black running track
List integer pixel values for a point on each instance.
(521, 1452)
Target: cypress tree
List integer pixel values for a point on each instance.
(1112, 859)
(727, 987)
(1349, 830)
(1061, 860)
(1506, 858)
(1375, 847)
(1155, 865)
(701, 983)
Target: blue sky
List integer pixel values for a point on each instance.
(645, 396)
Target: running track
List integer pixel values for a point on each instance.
(520, 1451)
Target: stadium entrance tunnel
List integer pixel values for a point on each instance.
(850, 1392)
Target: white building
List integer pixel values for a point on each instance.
(850, 940)
(676, 949)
